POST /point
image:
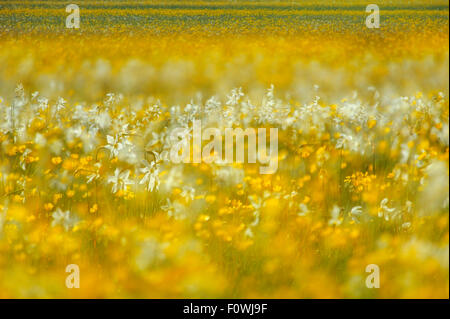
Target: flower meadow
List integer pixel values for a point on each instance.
(87, 118)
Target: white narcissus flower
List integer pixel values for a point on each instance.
(352, 143)
(248, 232)
(113, 145)
(235, 96)
(62, 218)
(94, 175)
(355, 213)
(303, 210)
(120, 181)
(116, 144)
(60, 104)
(385, 210)
(257, 206)
(151, 175)
(335, 219)
(174, 209)
(34, 95)
(188, 192)
(212, 105)
(43, 103)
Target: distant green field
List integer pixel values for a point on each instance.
(219, 17)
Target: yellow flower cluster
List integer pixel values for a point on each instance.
(86, 117)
